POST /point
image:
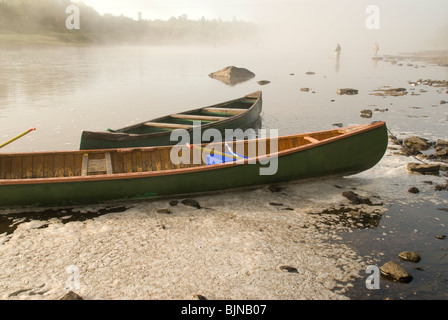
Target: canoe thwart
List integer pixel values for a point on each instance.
(311, 139)
(168, 125)
(225, 110)
(197, 117)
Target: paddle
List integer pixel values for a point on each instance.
(19, 136)
(189, 146)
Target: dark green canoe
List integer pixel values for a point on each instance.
(82, 177)
(238, 113)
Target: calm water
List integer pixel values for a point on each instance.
(64, 91)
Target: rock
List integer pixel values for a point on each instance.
(71, 296)
(441, 152)
(191, 203)
(423, 168)
(173, 203)
(442, 143)
(443, 102)
(441, 187)
(410, 256)
(394, 271)
(441, 236)
(263, 82)
(366, 113)
(356, 199)
(413, 190)
(199, 297)
(348, 91)
(232, 75)
(164, 211)
(305, 89)
(289, 269)
(385, 91)
(310, 73)
(417, 143)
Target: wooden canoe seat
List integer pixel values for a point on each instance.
(168, 125)
(225, 110)
(310, 139)
(96, 166)
(197, 117)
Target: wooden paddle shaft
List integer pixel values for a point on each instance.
(18, 137)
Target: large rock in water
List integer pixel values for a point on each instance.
(394, 271)
(232, 75)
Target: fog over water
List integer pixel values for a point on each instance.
(400, 25)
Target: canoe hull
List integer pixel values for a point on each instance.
(346, 156)
(110, 140)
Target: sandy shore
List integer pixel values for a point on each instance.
(239, 245)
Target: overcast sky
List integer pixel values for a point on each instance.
(401, 21)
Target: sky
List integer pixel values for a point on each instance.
(407, 23)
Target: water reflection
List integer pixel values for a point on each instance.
(337, 61)
(37, 75)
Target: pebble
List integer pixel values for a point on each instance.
(191, 203)
(289, 269)
(165, 211)
(413, 190)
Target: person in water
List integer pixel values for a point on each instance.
(338, 49)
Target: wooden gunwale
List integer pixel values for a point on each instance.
(349, 132)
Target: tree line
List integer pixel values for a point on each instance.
(48, 17)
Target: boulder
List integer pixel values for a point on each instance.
(417, 143)
(232, 75)
(394, 271)
(305, 89)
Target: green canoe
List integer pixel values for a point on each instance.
(94, 176)
(238, 113)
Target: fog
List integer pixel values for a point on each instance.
(396, 25)
(401, 25)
